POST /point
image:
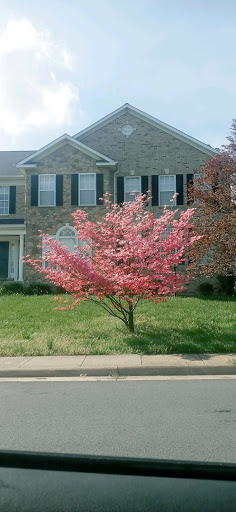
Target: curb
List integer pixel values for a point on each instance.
(121, 372)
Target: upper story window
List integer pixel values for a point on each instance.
(87, 189)
(167, 190)
(47, 190)
(132, 187)
(4, 200)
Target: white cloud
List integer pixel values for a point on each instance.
(17, 36)
(50, 100)
(35, 91)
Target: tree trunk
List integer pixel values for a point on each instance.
(131, 318)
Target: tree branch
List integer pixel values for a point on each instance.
(107, 309)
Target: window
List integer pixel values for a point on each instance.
(132, 184)
(233, 188)
(68, 238)
(67, 235)
(4, 200)
(47, 190)
(167, 190)
(164, 236)
(87, 189)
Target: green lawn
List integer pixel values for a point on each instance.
(30, 326)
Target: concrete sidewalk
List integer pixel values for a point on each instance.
(118, 365)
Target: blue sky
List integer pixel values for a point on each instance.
(65, 64)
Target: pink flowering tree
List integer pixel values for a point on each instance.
(127, 257)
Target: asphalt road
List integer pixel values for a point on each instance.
(188, 420)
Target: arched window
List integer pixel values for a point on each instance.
(67, 235)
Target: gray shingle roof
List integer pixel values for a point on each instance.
(9, 158)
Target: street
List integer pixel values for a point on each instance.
(188, 420)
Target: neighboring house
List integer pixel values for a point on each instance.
(125, 151)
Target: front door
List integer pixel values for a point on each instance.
(4, 256)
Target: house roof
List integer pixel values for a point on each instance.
(8, 159)
(127, 108)
(56, 144)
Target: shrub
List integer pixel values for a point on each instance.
(226, 285)
(38, 289)
(60, 290)
(205, 289)
(12, 288)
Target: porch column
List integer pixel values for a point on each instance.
(21, 254)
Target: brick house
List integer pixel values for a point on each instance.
(126, 150)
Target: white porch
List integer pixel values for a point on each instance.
(12, 252)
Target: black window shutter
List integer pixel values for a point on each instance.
(59, 189)
(12, 200)
(74, 189)
(34, 190)
(180, 189)
(189, 184)
(155, 190)
(99, 188)
(120, 189)
(144, 184)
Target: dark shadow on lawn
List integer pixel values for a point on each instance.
(184, 341)
(215, 298)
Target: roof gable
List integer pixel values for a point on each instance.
(31, 161)
(127, 108)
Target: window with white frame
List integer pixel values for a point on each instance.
(233, 188)
(47, 190)
(87, 189)
(4, 200)
(67, 236)
(164, 236)
(167, 186)
(132, 187)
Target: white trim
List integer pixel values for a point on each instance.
(95, 190)
(13, 240)
(4, 186)
(55, 144)
(12, 229)
(28, 166)
(66, 226)
(57, 237)
(21, 254)
(47, 205)
(106, 164)
(93, 127)
(140, 183)
(159, 190)
(9, 181)
(151, 120)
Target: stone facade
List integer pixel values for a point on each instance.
(65, 161)
(129, 143)
(147, 151)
